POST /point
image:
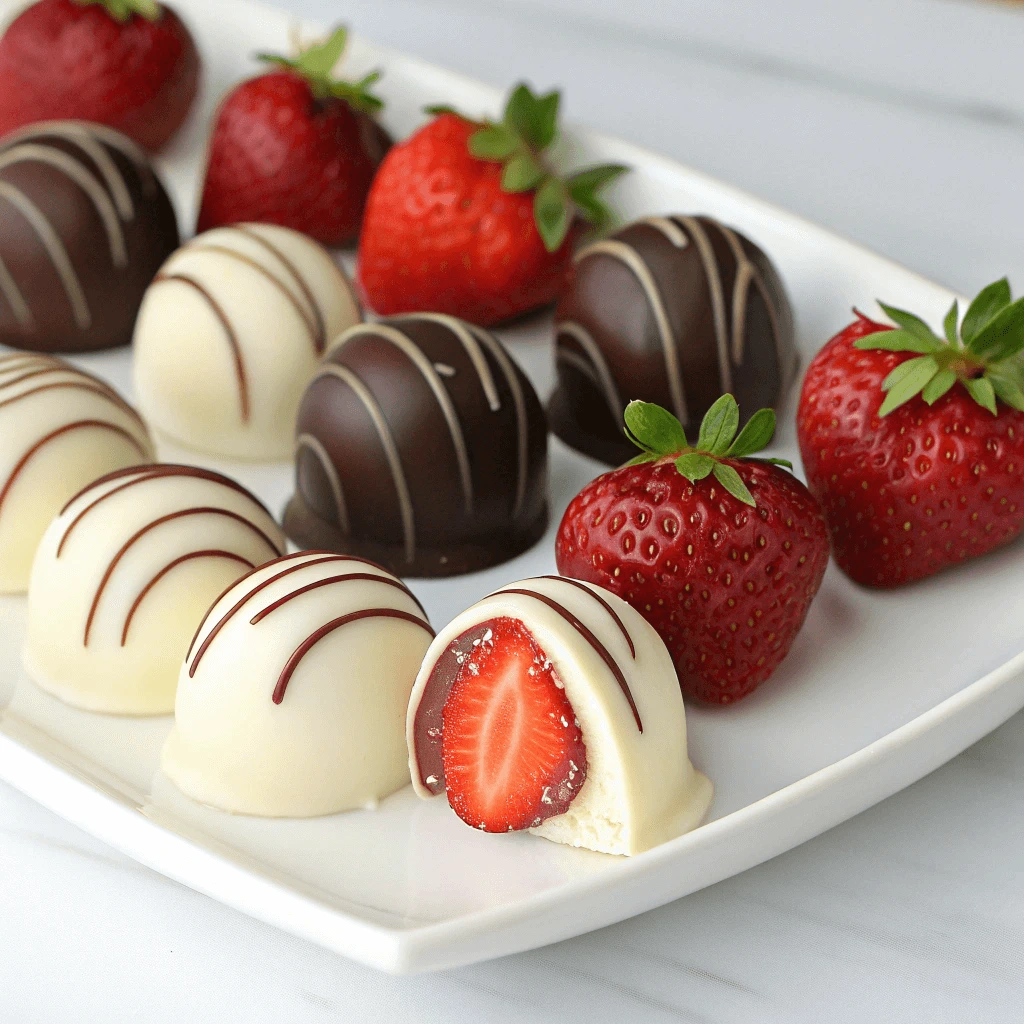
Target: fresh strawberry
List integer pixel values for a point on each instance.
(934, 473)
(512, 749)
(130, 64)
(296, 147)
(721, 553)
(468, 219)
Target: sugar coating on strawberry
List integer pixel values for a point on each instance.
(914, 444)
(129, 64)
(466, 218)
(296, 147)
(512, 749)
(721, 553)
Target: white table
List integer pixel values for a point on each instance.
(897, 122)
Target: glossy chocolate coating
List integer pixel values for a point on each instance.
(673, 310)
(84, 226)
(421, 445)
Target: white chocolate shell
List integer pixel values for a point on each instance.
(292, 697)
(60, 429)
(125, 573)
(229, 334)
(640, 788)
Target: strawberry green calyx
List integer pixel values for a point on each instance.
(122, 10)
(983, 356)
(660, 435)
(527, 128)
(315, 64)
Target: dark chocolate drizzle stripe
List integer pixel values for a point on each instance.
(405, 345)
(51, 366)
(191, 556)
(330, 581)
(143, 474)
(181, 514)
(300, 281)
(328, 556)
(55, 249)
(329, 627)
(316, 340)
(43, 441)
(600, 600)
(587, 635)
(229, 332)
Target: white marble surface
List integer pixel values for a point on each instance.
(897, 122)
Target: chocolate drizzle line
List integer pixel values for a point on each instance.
(330, 581)
(42, 442)
(600, 600)
(329, 627)
(587, 635)
(328, 556)
(320, 335)
(181, 514)
(229, 332)
(164, 571)
(45, 367)
(143, 474)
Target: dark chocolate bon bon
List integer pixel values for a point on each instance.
(421, 445)
(84, 226)
(673, 310)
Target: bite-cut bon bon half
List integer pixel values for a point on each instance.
(721, 552)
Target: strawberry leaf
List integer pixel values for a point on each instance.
(437, 109)
(778, 462)
(949, 325)
(754, 436)
(122, 10)
(909, 322)
(493, 142)
(1002, 336)
(899, 341)
(1008, 390)
(989, 301)
(983, 393)
(695, 466)
(655, 429)
(907, 380)
(522, 173)
(719, 426)
(733, 483)
(551, 213)
(519, 111)
(318, 60)
(643, 457)
(544, 126)
(938, 386)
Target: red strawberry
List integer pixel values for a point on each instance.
(722, 554)
(465, 218)
(511, 744)
(296, 147)
(130, 64)
(934, 474)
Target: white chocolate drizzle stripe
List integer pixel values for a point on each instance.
(714, 278)
(54, 249)
(628, 256)
(669, 228)
(519, 402)
(599, 366)
(395, 337)
(31, 152)
(313, 444)
(376, 414)
(13, 297)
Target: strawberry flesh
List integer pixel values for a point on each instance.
(511, 747)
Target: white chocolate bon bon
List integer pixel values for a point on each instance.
(292, 698)
(124, 575)
(230, 333)
(640, 788)
(60, 429)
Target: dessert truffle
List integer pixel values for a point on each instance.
(672, 310)
(84, 225)
(292, 697)
(553, 706)
(60, 429)
(229, 334)
(125, 573)
(422, 445)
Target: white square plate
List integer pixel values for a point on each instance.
(879, 689)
